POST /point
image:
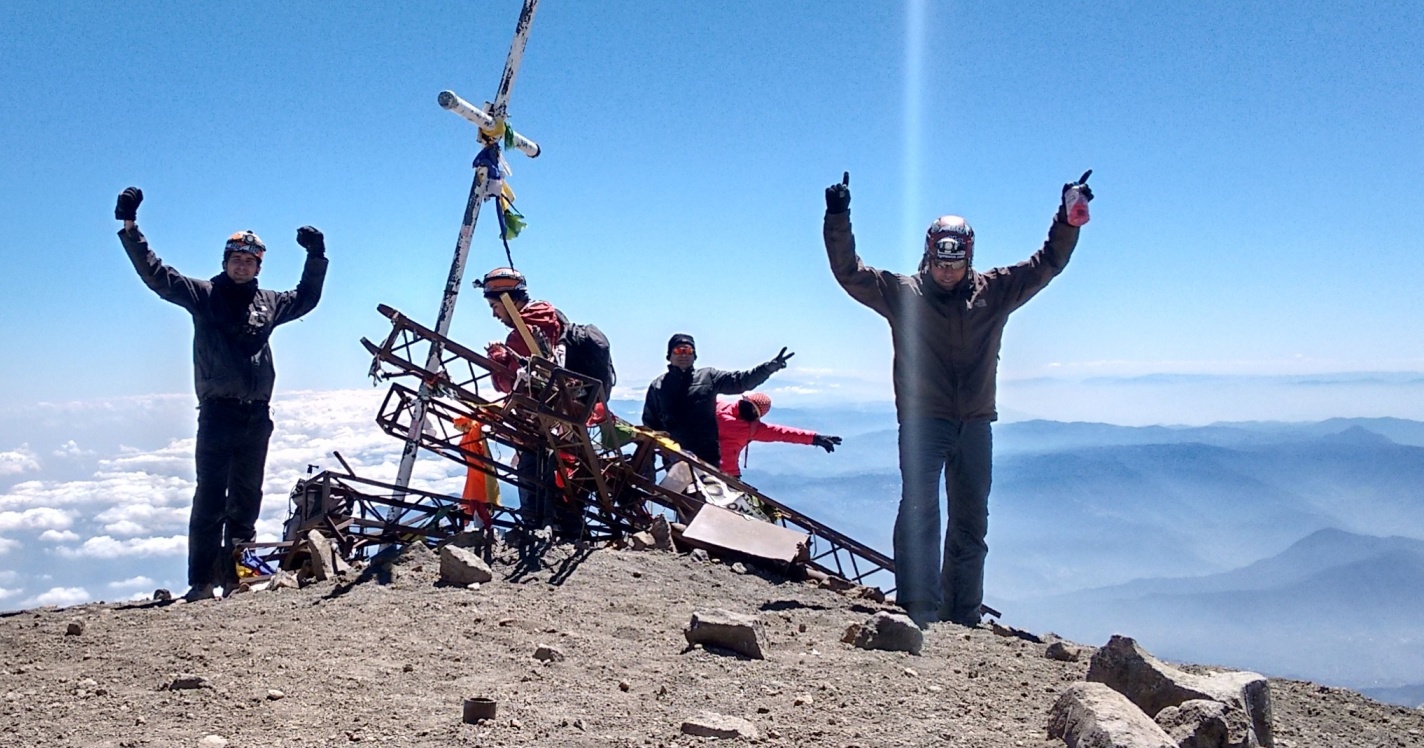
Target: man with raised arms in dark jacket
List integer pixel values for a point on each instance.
(946, 323)
(683, 401)
(234, 377)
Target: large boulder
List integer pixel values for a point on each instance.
(462, 567)
(1153, 686)
(1205, 724)
(893, 632)
(742, 634)
(323, 562)
(713, 725)
(1092, 715)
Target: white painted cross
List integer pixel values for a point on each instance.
(491, 121)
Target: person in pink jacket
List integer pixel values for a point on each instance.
(739, 424)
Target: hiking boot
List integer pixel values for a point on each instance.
(922, 617)
(198, 593)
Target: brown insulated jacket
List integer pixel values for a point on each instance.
(946, 342)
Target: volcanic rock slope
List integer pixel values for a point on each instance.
(390, 660)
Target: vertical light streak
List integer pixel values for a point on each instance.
(912, 156)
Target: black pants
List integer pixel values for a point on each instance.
(231, 457)
(540, 507)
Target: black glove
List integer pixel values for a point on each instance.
(311, 240)
(779, 363)
(838, 196)
(1082, 185)
(828, 443)
(127, 207)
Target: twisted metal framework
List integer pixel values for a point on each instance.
(359, 513)
(614, 482)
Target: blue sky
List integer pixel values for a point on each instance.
(1251, 254)
(1256, 165)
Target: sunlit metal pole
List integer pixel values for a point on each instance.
(493, 115)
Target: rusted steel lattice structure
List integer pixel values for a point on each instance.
(614, 474)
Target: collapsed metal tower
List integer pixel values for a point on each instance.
(616, 476)
(613, 476)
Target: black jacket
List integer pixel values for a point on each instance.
(231, 322)
(684, 404)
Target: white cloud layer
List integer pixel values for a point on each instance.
(18, 461)
(38, 518)
(7, 545)
(131, 583)
(104, 546)
(71, 449)
(59, 536)
(7, 594)
(60, 596)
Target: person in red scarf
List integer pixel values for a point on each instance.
(545, 323)
(538, 507)
(739, 424)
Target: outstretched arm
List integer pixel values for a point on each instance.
(865, 284)
(295, 303)
(170, 285)
(773, 432)
(737, 382)
(1019, 283)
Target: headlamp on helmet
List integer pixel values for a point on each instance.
(502, 280)
(244, 241)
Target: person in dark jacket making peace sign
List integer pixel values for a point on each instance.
(683, 401)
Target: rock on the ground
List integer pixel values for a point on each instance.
(740, 633)
(188, 681)
(1092, 715)
(413, 563)
(1153, 685)
(462, 567)
(546, 653)
(213, 741)
(1205, 724)
(893, 632)
(74, 628)
(322, 565)
(1062, 652)
(700, 555)
(713, 725)
(642, 541)
(161, 595)
(661, 532)
(283, 579)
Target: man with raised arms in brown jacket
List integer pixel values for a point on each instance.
(946, 324)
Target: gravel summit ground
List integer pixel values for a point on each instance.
(391, 661)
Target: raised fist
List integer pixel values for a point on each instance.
(311, 239)
(126, 209)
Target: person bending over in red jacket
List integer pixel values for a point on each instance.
(739, 424)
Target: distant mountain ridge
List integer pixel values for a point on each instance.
(1289, 548)
(1335, 606)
